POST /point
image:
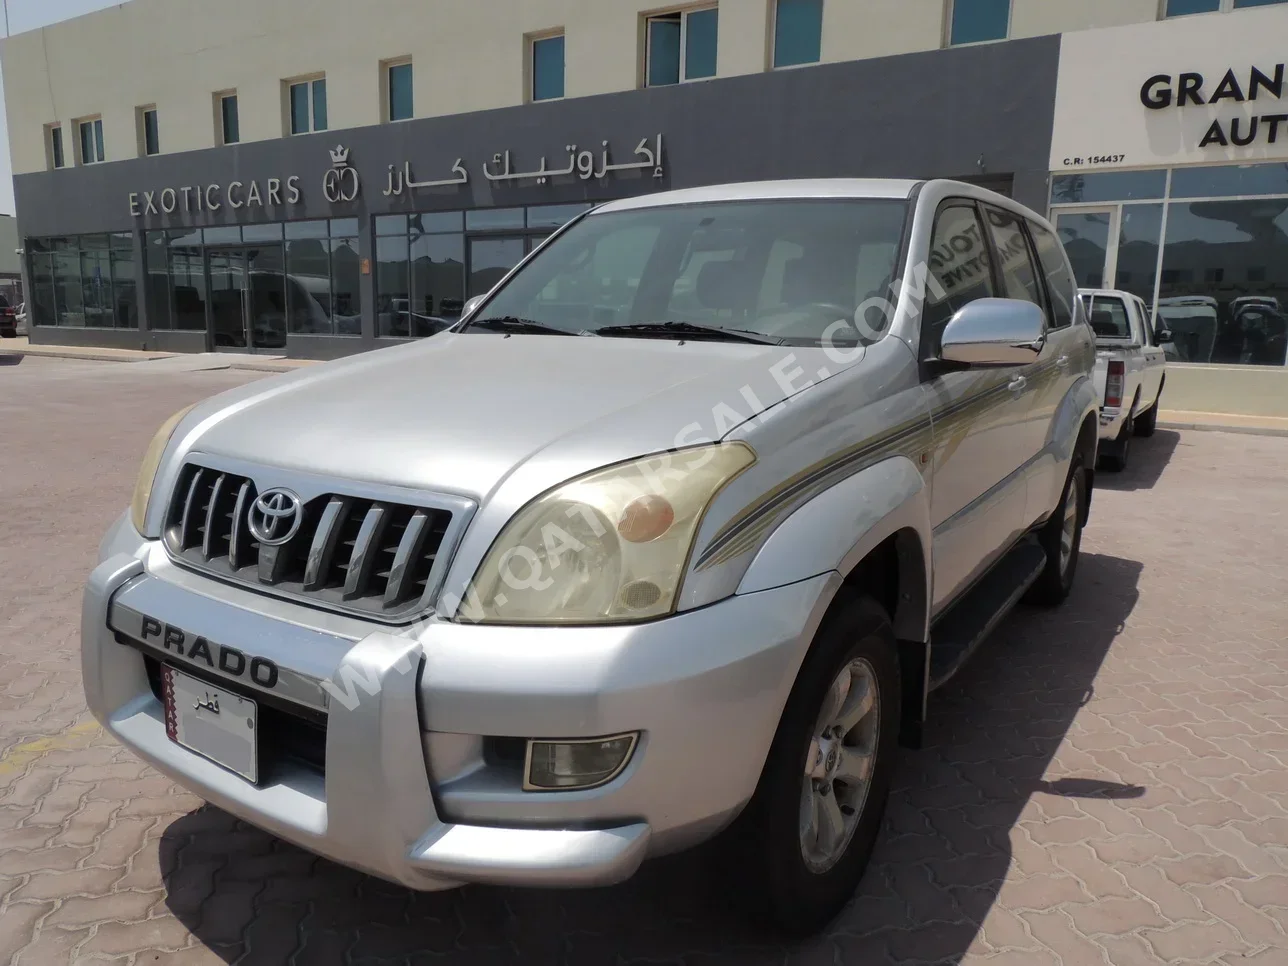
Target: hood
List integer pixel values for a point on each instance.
(457, 413)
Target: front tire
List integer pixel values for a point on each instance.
(1061, 539)
(810, 828)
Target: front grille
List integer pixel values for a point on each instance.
(286, 734)
(353, 554)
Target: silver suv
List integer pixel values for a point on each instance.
(671, 536)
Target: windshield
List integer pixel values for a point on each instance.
(784, 269)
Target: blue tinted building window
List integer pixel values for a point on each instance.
(975, 21)
(299, 108)
(798, 32)
(319, 104)
(1240, 4)
(663, 50)
(1108, 186)
(548, 68)
(400, 101)
(700, 32)
(228, 117)
(1230, 180)
(1181, 8)
(151, 133)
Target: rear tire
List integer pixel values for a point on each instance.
(1061, 539)
(1114, 457)
(803, 842)
(1148, 422)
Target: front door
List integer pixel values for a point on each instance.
(1090, 237)
(247, 305)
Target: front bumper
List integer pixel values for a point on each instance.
(408, 791)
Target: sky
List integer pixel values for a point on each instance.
(28, 15)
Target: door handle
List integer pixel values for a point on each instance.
(1063, 361)
(1017, 383)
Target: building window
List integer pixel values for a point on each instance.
(798, 32)
(149, 137)
(54, 144)
(398, 91)
(229, 127)
(84, 281)
(1182, 8)
(681, 46)
(548, 68)
(322, 277)
(978, 21)
(420, 273)
(307, 105)
(91, 140)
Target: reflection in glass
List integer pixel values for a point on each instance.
(346, 305)
(1108, 186)
(494, 218)
(267, 297)
(554, 216)
(1225, 281)
(96, 289)
(1085, 236)
(188, 289)
(306, 229)
(125, 304)
(1226, 180)
(308, 286)
(262, 233)
(1138, 237)
(490, 260)
(223, 235)
(227, 298)
(393, 289)
(158, 280)
(437, 221)
(67, 289)
(438, 282)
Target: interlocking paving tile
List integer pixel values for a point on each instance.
(1106, 783)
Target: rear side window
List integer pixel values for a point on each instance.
(960, 271)
(1060, 284)
(1109, 318)
(1019, 277)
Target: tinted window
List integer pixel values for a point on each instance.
(1060, 284)
(959, 270)
(548, 68)
(1109, 186)
(798, 32)
(400, 92)
(975, 21)
(1019, 277)
(785, 269)
(1180, 8)
(1109, 318)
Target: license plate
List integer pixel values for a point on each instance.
(214, 723)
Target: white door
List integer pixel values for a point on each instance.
(1152, 377)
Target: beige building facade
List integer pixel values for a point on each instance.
(122, 121)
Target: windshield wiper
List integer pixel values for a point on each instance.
(511, 323)
(683, 330)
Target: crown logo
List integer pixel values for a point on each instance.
(339, 155)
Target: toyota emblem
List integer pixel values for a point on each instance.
(275, 517)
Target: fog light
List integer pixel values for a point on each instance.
(577, 764)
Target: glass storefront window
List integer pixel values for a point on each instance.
(1108, 186)
(156, 268)
(438, 282)
(554, 216)
(322, 280)
(306, 229)
(1229, 180)
(262, 233)
(84, 281)
(487, 218)
(1225, 281)
(430, 221)
(393, 288)
(420, 272)
(187, 289)
(223, 235)
(1138, 236)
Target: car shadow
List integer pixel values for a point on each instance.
(1148, 458)
(10, 358)
(943, 855)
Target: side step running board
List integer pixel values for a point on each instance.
(964, 626)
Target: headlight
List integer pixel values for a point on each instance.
(148, 471)
(608, 546)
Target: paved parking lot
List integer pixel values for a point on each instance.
(1106, 784)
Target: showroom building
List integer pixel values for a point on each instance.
(313, 186)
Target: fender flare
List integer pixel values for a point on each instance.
(839, 528)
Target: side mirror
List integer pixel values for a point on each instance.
(1162, 335)
(994, 332)
(471, 305)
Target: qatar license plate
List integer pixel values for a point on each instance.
(214, 723)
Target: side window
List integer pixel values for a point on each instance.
(1059, 279)
(959, 270)
(1019, 277)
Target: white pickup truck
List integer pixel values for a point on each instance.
(1130, 370)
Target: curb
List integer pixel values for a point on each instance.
(88, 356)
(1219, 428)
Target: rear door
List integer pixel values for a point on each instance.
(977, 489)
(1154, 357)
